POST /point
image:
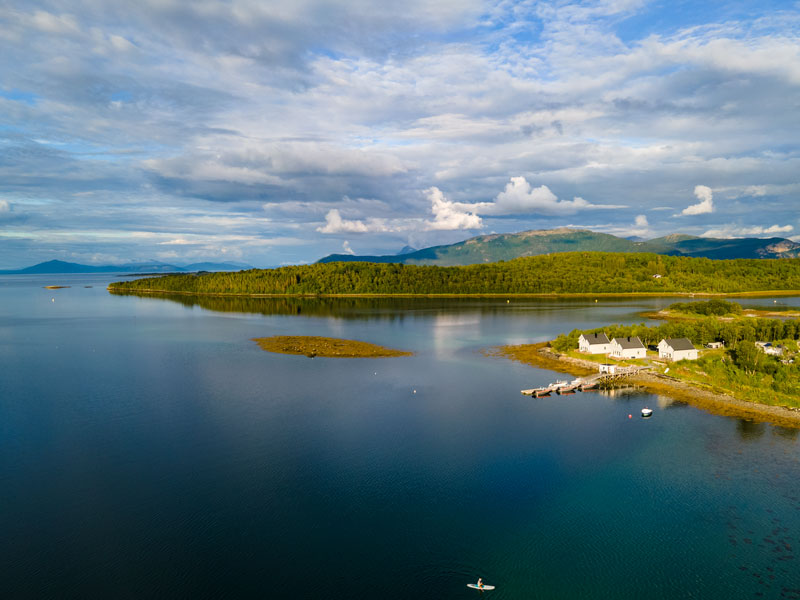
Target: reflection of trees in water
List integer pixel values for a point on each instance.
(785, 432)
(666, 403)
(750, 430)
(391, 309)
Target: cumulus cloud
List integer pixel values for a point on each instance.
(346, 247)
(639, 228)
(450, 215)
(735, 231)
(334, 223)
(5, 206)
(519, 197)
(299, 104)
(706, 204)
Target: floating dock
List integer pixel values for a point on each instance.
(581, 383)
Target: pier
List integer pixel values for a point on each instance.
(583, 383)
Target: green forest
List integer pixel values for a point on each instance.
(564, 273)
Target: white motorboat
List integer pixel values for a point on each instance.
(647, 412)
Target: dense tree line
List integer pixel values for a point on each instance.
(565, 273)
(712, 308)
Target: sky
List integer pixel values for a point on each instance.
(271, 133)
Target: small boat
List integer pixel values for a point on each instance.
(647, 412)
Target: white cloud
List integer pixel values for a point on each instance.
(346, 247)
(300, 104)
(54, 24)
(450, 215)
(639, 228)
(334, 223)
(176, 242)
(735, 231)
(520, 198)
(706, 204)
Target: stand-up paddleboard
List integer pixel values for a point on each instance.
(474, 586)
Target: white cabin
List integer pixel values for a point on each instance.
(628, 347)
(594, 343)
(677, 349)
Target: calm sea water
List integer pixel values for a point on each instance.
(149, 449)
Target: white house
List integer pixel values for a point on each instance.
(714, 345)
(628, 347)
(594, 343)
(677, 349)
(768, 348)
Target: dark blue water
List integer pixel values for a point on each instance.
(149, 449)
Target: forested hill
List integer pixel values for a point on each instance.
(508, 246)
(567, 273)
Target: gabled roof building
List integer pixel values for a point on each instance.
(594, 343)
(628, 347)
(677, 349)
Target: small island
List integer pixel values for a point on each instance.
(715, 357)
(722, 310)
(312, 345)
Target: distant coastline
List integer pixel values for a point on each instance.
(118, 289)
(570, 274)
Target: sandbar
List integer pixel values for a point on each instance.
(311, 346)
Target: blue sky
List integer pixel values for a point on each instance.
(276, 133)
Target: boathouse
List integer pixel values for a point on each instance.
(594, 343)
(627, 347)
(677, 349)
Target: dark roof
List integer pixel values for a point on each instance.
(680, 344)
(627, 343)
(596, 338)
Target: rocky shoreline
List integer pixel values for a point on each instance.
(541, 355)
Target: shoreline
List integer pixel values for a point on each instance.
(587, 295)
(747, 313)
(541, 355)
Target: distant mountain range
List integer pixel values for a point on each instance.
(507, 246)
(60, 267)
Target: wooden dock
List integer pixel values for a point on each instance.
(582, 383)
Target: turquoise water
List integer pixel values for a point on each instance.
(150, 449)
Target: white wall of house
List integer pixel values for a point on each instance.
(618, 352)
(585, 346)
(668, 352)
(684, 355)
